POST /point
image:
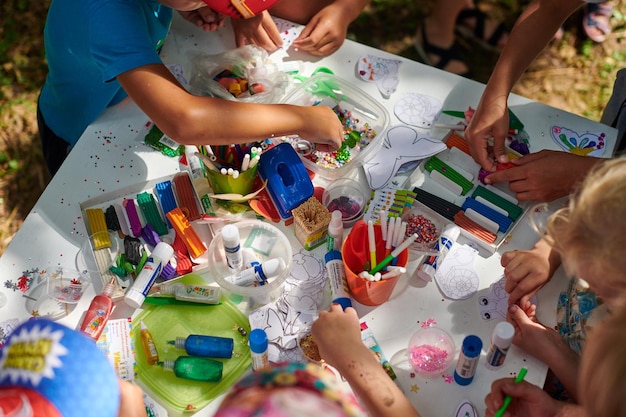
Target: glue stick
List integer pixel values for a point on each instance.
(335, 232)
(500, 343)
(232, 247)
(152, 268)
(448, 237)
(337, 278)
(468, 360)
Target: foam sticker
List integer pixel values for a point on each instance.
(418, 110)
(289, 31)
(381, 71)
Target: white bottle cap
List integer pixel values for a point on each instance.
(273, 267)
(230, 236)
(451, 231)
(426, 272)
(163, 251)
(336, 219)
(503, 334)
(134, 298)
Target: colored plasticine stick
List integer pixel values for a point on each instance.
(507, 400)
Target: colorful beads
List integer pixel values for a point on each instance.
(425, 229)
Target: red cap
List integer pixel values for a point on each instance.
(240, 8)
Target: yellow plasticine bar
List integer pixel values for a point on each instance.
(182, 227)
(242, 8)
(98, 227)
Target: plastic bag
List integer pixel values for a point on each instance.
(246, 71)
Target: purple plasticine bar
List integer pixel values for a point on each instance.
(168, 272)
(133, 216)
(165, 195)
(149, 235)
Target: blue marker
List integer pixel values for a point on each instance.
(337, 278)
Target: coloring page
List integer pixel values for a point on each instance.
(583, 144)
(418, 110)
(383, 72)
(494, 303)
(456, 277)
(289, 31)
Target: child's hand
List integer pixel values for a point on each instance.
(491, 120)
(323, 127)
(259, 30)
(131, 400)
(526, 399)
(526, 271)
(338, 335)
(325, 32)
(205, 17)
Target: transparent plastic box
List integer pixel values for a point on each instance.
(363, 117)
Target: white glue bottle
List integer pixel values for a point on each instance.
(194, 293)
(500, 343)
(159, 257)
(448, 237)
(196, 171)
(232, 246)
(257, 274)
(335, 232)
(258, 348)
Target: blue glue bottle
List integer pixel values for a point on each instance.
(207, 346)
(468, 360)
(449, 235)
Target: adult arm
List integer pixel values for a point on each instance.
(202, 120)
(338, 336)
(531, 33)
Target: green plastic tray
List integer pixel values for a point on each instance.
(166, 322)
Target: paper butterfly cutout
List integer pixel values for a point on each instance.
(401, 144)
(381, 71)
(494, 304)
(418, 109)
(582, 144)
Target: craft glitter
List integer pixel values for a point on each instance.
(425, 229)
(428, 358)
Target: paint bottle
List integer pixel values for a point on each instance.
(448, 237)
(159, 257)
(468, 360)
(194, 368)
(208, 346)
(257, 274)
(258, 348)
(149, 348)
(232, 247)
(337, 279)
(334, 237)
(98, 312)
(500, 343)
(194, 293)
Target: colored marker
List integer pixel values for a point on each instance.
(396, 252)
(507, 400)
(372, 242)
(382, 217)
(391, 225)
(206, 160)
(246, 162)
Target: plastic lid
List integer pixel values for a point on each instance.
(451, 231)
(503, 334)
(472, 345)
(333, 255)
(258, 341)
(163, 251)
(230, 236)
(134, 298)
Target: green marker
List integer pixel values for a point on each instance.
(507, 400)
(396, 252)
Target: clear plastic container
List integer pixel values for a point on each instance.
(347, 196)
(66, 285)
(267, 242)
(363, 117)
(427, 224)
(431, 351)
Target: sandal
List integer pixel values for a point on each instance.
(471, 23)
(596, 21)
(446, 56)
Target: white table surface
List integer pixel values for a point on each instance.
(110, 156)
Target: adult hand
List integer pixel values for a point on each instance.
(205, 17)
(259, 30)
(490, 120)
(338, 335)
(544, 175)
(325, 32)
(526, 399)
(131, 402)
(526, 271)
